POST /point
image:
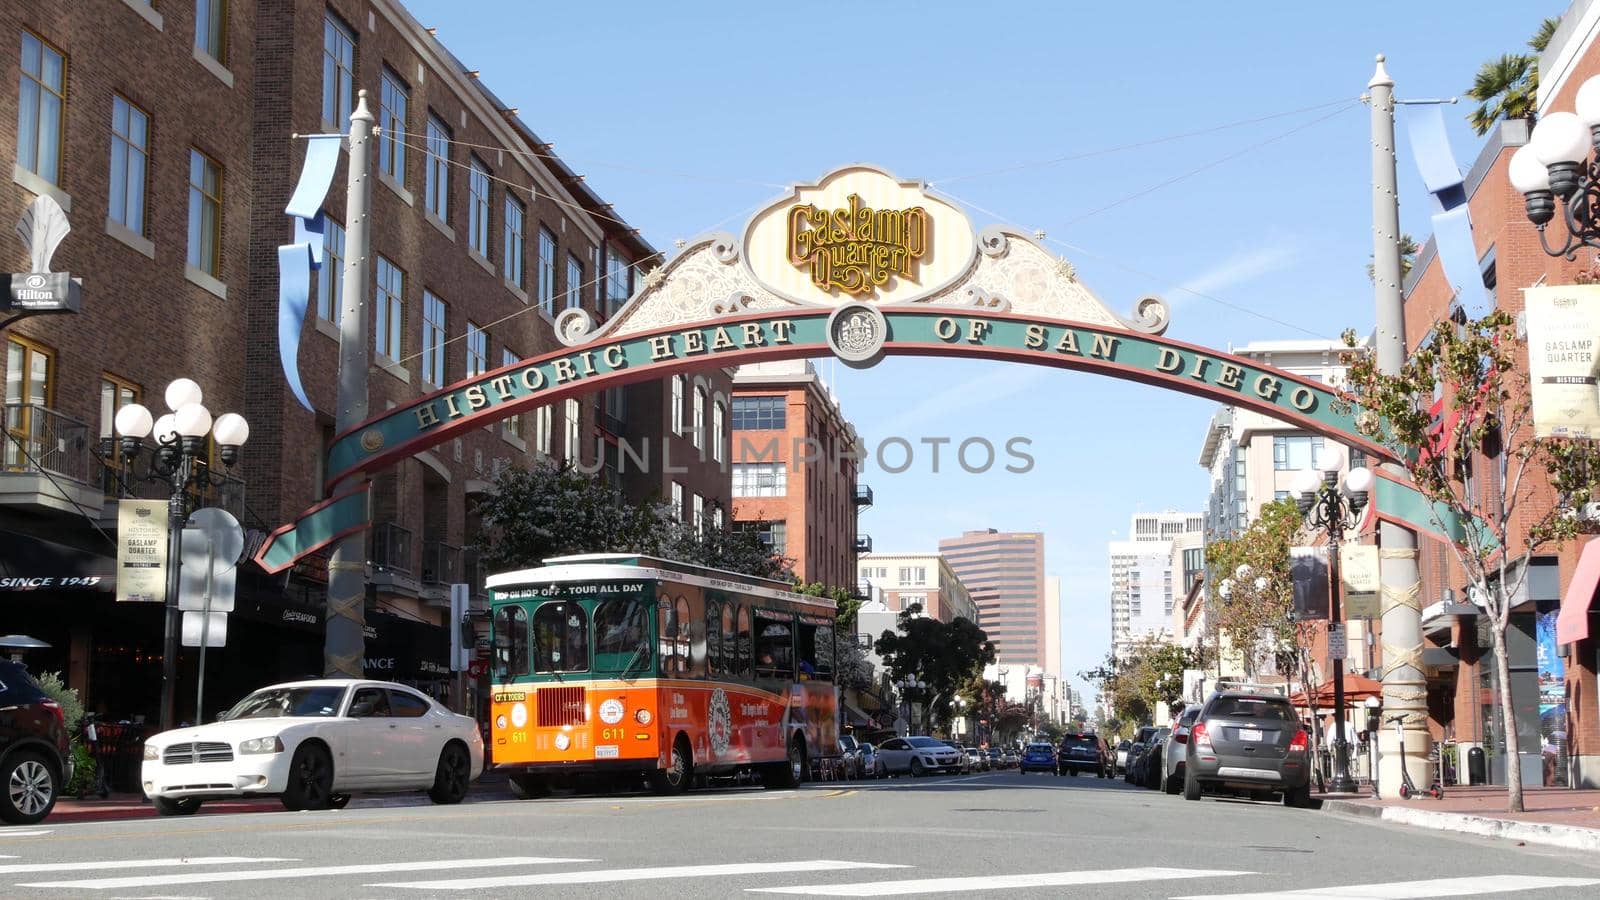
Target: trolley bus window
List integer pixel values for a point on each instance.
(730, 641)
(744, 640)
(774, 647)
(668, 630)
(621, 634)
(510, 642)
(816, 649)
(560, 638)
(713, 636)
(685, 638)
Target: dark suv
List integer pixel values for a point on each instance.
(1082, 752)
(1249, 742)
(34, 762)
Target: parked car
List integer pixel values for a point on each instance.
(1154, 759)
(871, 763)
(1132, 772)
(1173, 754)
(35, 763)
(311, 743)
(1082, 752)
(918, 755)
(1038, 757)
(850, 752)
(1011, 758)
(1251, 742)
(977, 761)
(996, 758)
(1122, 756)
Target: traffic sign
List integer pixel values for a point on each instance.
(1337, 648)
(212, 545)
(196, 629)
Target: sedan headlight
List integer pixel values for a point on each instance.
(261, 745)
(151, 752)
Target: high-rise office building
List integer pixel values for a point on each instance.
(1151, 571)
(1004, 571)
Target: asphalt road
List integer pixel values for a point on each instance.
(996, 834)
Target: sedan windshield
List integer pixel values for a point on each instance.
(298, 702)
(926, 743)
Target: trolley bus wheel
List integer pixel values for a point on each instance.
(529, 787)
(675, 779)
(788, 773)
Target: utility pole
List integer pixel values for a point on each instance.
(1405, 690)
(344, 635)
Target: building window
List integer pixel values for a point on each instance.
(547, 271)
(478, 207)
(41, 111)
(574, 282)
(769, 479)
(330, 278)
(570, 418)
(510, 426)
(716, 517)
(393, 100)
(913, 576)
(511, 255)
(130, 152)
(677, 501)
(619, 283)
(115, 393)
(477, 350)
(717, 427)
(30, 386)
(390, 313)
(211, 28)
(1295, 452)
(772, 534)
(677, 404)
(542, 426)
(436, 171)
(338, 72)
(433, 334)
(698, 435)
(698, 504)
(205, 213)
(758, 413)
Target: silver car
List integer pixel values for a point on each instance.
(918, 755)
(1174, 756)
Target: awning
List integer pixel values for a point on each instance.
(28, 563)
(855, 718)
(1357, 688)
(1572, 624)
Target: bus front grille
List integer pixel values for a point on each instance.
(562, 706)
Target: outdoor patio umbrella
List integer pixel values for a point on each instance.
(1356, 689)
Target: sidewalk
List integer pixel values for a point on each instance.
(1554, 816)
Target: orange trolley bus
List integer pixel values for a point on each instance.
(626, 665)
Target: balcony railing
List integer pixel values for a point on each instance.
(441, 563)
(392, 549)
(41, 440)
(863, 495)
(864, 543)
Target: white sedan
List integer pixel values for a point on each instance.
(312, 743)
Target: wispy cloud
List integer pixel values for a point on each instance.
(1240, 268)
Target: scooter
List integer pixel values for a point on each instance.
(1407, 788)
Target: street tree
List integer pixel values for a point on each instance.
(724, 546)
(1481, 465)
(1506, 87)
(548, 510)
(943, 655)
(1254, 588)
(846, 602)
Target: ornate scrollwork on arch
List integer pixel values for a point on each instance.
(733, 304)
(1151, 315)
(992, 241)
(725, 247)
(978, 298)
(574, 327)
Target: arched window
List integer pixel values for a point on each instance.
(730, 641)
(744, 640)
(560, 638)
(510, 642)
(667, 629)
(681, 655)
(713, 638)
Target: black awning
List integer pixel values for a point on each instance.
(28, 563)
(401, 649)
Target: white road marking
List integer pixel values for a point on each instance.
(100, 884)
(601, 876)
(18, 868)
(1411, 890)
(6, 832)
(994, 882)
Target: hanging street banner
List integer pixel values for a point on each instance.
(1308, 571)
(1358, 572)
(142, 551)
(1563, 325)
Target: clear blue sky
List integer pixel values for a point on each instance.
(687, 115)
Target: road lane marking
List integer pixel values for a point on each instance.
(134, 881)
(1412, 890)
(994, 882)
(602, 876)
(9, 833)
(19, 868)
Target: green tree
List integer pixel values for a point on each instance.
(944, 655)
(1254, 591)
(1506, 88)
(846, 602)
(1482, 465)
(728, 548)
(1408, 258)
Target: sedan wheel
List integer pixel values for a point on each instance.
(30, 789)
(310, 779)
(453, 775)
(916, 768)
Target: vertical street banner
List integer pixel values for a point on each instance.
(142, 551)
(1563, 325)
(1358, 574)
(1308, 571)
(1552, 701)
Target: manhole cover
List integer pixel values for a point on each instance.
(997, 810)
(1276, 849)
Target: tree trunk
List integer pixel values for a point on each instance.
(1508, 720)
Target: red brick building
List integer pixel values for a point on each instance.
(794, 472)
(168, 142)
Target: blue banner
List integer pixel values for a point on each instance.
(297, 260)
(1452, 226)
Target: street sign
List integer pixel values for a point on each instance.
(212, 544)
(196, 628)
(1337, 646)
(141, 551)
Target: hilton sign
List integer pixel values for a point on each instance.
(42, 228)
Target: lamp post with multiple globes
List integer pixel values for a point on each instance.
(1555, 166)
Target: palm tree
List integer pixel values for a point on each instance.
(1506, 88)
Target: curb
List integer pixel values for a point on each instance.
(136, 810)
(1571, 837)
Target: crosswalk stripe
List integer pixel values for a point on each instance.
(1413, 890)
(19, 868)
(136, 881)
(995, 882)
(601, 876)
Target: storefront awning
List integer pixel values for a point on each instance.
(28, 563)
(1572, 625)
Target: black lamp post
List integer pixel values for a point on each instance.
(1554, 165)
(179, 461)
(1328, 509)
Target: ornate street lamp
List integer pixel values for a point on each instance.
(179, 461)
(1326, 508)
(1554, 165)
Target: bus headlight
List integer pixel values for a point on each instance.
(642, 717)
(562, 741)
(519, 715)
